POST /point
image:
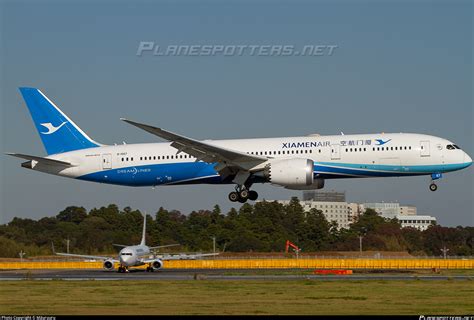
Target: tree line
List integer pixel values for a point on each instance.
(262, 227)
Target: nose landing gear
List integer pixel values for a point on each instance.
(433, 185)
(122, 269)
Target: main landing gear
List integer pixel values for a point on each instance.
(150, 268)
(242, 194)
(433, 185)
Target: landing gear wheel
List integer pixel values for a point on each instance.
(244, 194)
(253, 195)
(234, 196)
(433, 187)
(242, 200)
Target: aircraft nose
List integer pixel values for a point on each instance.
(126, 260)
(467, 159)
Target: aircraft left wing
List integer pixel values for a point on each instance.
(165, 246)
(205, 151)
(184, 256)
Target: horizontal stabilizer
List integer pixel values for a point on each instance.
(51, 162)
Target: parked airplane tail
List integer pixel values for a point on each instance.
(58, 132)
(142, 243)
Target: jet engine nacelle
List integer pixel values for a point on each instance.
(317, 184)
(290, 173)
(108, 265)
(157, 264)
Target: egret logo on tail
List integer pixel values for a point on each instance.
(51, 128)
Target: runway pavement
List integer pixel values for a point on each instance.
(177, 274)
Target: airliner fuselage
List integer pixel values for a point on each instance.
(299, 163)
(342, 156)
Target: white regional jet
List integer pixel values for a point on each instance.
(298, 163)
(139, 255)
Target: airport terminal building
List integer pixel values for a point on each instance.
(335, 208)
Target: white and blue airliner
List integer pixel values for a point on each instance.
(298, 163)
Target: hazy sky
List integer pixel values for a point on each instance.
(398, 67)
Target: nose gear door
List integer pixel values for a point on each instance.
(424, 148)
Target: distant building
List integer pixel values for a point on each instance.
(324, 196)
(419, 222)
(388, 210)
(332, 210)
(408, 210)
(334, 207)
(354, 210)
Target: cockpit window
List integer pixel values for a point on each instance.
(126, 253)
(450, 147)
(456, 147)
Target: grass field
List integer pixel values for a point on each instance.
(307, 297)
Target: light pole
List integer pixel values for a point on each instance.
(444, 251)
(362, 233)
(213, 244)
(67, 245)
(21, 254)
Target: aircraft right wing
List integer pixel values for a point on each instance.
(86, 256)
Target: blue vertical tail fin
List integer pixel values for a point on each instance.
(58, 132)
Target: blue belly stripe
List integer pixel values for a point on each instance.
(201, 172)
